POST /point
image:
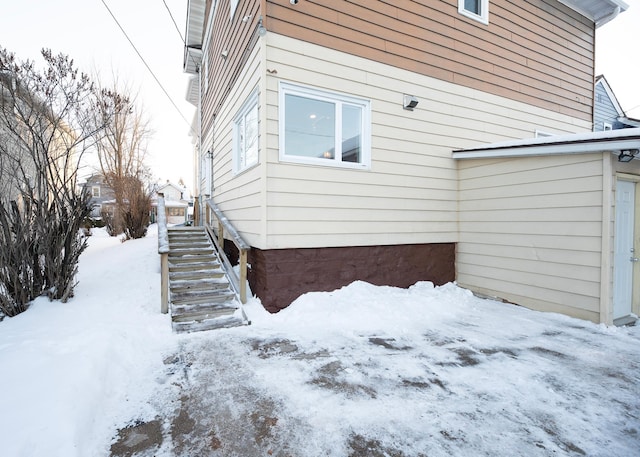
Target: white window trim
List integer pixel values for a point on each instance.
(250, 103)
(484, 8)
(333, 97)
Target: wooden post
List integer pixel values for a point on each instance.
(164, 282)
(243, 276)
(220, 234)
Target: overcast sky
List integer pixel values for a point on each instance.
(85, 30)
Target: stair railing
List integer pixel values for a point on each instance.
(219, 229)
(163, 250)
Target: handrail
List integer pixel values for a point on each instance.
(224, 227)
(163, 250)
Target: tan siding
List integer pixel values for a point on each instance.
(239, 196)
(410, 193)
(239, 39)
(530, 231)
(538, 52)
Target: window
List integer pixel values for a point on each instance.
(606, 126)
(245, 135)
(175, 211)
(323, 128)
(475, 9)
(95, 191)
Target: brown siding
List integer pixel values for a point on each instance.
(235, 36)
(538, 52)
(279, 276)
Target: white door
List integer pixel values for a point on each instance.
(624, 256)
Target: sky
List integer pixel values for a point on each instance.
(444, 373)
(85, 30)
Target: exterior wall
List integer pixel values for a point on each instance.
(531, 231)
(410, 193)
(604, 110)
(538, 52)
(279, 276)
(240, 196)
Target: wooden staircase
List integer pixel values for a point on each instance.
(201, 296)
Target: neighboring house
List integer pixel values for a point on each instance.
(102, 195)
(607, 113)
(326, 138)
(176, 206)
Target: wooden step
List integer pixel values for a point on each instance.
(199, 285)
(202, 297)
(189, 251)
(193, 266)
(197, 274)
(207, 324)
(181, 313)
(190, 259)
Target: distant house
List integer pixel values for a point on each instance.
(607, 113)
(177, 207)
(102, 195)
(327, 133)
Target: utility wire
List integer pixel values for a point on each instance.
(174, 22)
(146, 65)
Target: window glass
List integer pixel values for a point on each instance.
(309, 127)
(318, 127)
(473, 6)
(351, 133)
(246, 134)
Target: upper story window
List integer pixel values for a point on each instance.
(475, 9)
(95, 191)
(245, 135)
(324, 128)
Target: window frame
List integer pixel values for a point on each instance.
(95, 194)
(240, 165)
(337, 98)
(483, 17)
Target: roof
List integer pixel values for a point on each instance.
(599, 11)
(575, 143)
(194, 34)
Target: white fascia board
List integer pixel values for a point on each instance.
(578, 143)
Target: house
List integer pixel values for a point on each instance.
(327, 131)
(177, 207)
(607, 113)
(102, 195)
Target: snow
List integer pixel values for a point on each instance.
(364, 370)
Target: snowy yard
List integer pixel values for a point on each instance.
(362, 371)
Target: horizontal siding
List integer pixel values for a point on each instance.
(538, 52)
(531, 231)
(240, 196)
(410, 194)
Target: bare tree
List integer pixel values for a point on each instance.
(46, 126)
(121, 154)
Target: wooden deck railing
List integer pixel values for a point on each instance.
(220, 228)
(163, 250)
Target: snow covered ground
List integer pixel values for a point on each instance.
(361, 371)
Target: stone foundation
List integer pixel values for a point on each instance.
(279, 276)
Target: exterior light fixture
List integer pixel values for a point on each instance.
(224, 54)
(628, 155)
(409, 102)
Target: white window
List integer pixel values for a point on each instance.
(95, 191)
(606, 126)
(245, 135)
(324, 128)
(475, 9)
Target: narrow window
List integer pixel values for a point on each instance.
(324, 128)
(475, 9)
(246, 133)
(95, 192)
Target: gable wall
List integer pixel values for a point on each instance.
(538, 52)
(604, 109)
